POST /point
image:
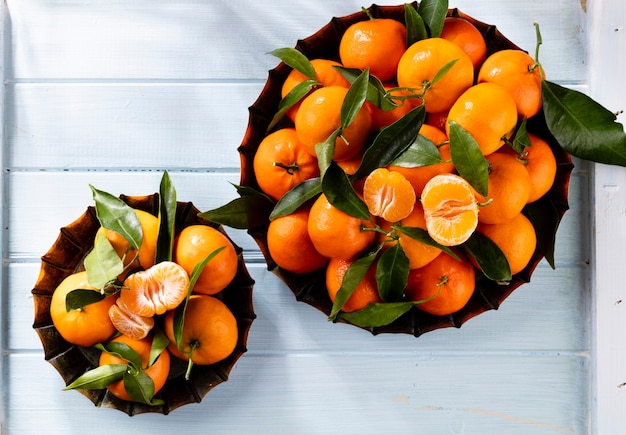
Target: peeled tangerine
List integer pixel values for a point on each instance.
(450, 209)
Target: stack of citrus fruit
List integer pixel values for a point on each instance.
(411, 179)
(143, 314)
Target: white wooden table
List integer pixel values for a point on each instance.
(111, 93)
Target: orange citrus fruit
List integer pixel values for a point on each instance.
(158, 371)
(366, 291)
(85, 326)
(446, 283)
(437, 119)
(540, 164)
(450, 209)
(383, 118)
(319, 116)
(156, 290)
(290, 245)
(335, 233)
(128, 323)
(508, 189)
(423, 60)
(325, 74)
(147, 250)
(197, 242)
(518, 73)
(516, 238)
(464, 34)
(488, 113)
(377, 44)
(419, 254)
(281, 162)
(418, 177)
(209, 333)
(388, 194)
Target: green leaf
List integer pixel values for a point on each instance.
(354, 99)
(297, 196)
(122, 350)
(114, 214)
(521, 139)
(296, 60)
(434, 13)
(179, 314)
(293, 97)
(140, 387)
(391, 142)
(392, 272)
(421, 235)
(545, 219)
(79, 298)
(415, 27)
(341, 194)
(167, 217)
(489, 257)
(376, 92)
(582, 126)
(159, 344)
(354, 275)
(468, 159)
(102, 264)
(98, 378)
(443, 71)
(423, 152)
(377, 314)
(325, 151)
(246, 212)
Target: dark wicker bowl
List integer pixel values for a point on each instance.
(311, 288)
(66, 257)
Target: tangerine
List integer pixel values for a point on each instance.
(84, 326)
(488, 113)
(281, 162)
(421, 63)
(464, 34)
(128, 323)
(366, 291)
(194, 244)
(383, 118)
(446, 284)
(377, 44)
(388, 194)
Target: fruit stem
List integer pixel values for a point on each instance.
(539, 42)
(291, 169)
(367, 12)
(192, 346)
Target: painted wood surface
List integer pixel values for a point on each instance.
(111, 94)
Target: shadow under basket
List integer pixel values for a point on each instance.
(71, 361)
(311, 288)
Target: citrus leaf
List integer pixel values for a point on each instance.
(391, 142)
(468, 159)
(296, 60)
(545, 219)
(140, 387)
(297, 196)
(421, 235)
(443, 71)
(422, 152)
(167, 217)
(392, 272)
(354, 275)
(102, 264)
(340, 193)
(114, 214)
(246, 212)
(159, 344)
(434, 13)
(293, 97)
(582, 126)
(376, 92)
(325, 151)
(489, 257)
(354, 99)
(98, 378)
(122, 350)
(521, 140)
(415, 27)
(79, 298)
(377, 314)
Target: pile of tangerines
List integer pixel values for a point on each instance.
(141, 308)
(398, 224)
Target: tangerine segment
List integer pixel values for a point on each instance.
(450, 209)
(421, 62)
(156, 290)
(209, 333)
(128, 323)
(388, 194)
(487, 112)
